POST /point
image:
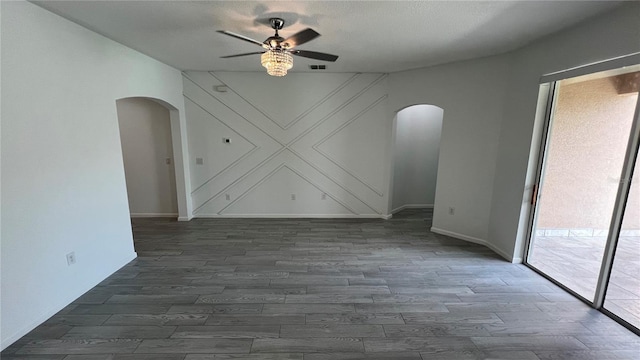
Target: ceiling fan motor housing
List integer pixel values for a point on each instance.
(276, 23)
(274, 41)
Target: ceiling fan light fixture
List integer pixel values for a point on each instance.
(277, 62)
(277, 57)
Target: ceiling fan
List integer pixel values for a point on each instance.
(276, 56)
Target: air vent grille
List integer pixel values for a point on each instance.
(318, 67)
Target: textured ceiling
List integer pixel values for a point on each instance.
(369, 36)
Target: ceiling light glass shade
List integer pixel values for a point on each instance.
(277, 62)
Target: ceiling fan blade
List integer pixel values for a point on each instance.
(315, 55)
(245, 54)
(241, 37)
(299, 38)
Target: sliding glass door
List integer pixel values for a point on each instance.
(623, 291)
(578, 238)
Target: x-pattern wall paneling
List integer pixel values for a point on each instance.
(321, 138)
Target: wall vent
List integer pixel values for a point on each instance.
(318, 67)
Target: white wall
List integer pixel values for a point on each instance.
(63, 185)
(471, 93)
(304, 135)
(145, 136)
(415, 156)
(608, 36)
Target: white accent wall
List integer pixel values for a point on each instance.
(321, 138)
(63, 185)
(415, 156)
(145, 135)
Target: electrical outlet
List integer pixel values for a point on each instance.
(293, 196)
(452, 211)
(199, 161)
(227, 196)
(167, 161)
(323, 196)
(71, 258)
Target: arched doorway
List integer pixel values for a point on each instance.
(416, 148)
(149, 162)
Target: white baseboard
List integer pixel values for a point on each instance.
(412, 206)
(54, 309)
(476, 240)
(147, 215)
(185, 218)
(290, 216)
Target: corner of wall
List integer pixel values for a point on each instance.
(475, 240)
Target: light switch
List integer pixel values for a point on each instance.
(199, 161)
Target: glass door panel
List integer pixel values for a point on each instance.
(585, 151)
(623, 291)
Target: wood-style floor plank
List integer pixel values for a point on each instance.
(321, 289)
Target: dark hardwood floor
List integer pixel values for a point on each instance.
(320, 289)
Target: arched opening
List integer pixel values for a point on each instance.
(147, 140)
(416, 148)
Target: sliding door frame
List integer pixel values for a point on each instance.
(620, 205)
(631, 153)
(551, 100)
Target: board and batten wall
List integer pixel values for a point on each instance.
(63, 185)
(322, 139)
(416, 149)
(145, 135)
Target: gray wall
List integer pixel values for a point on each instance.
(145, 135)
(415, 156)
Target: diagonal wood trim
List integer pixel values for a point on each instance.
(322, 101)
(304, 112)
(337, 110)
(275, 171)
(239, 179)
(316, 146)
(234, 111)
(336, 182)
(238, 160)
